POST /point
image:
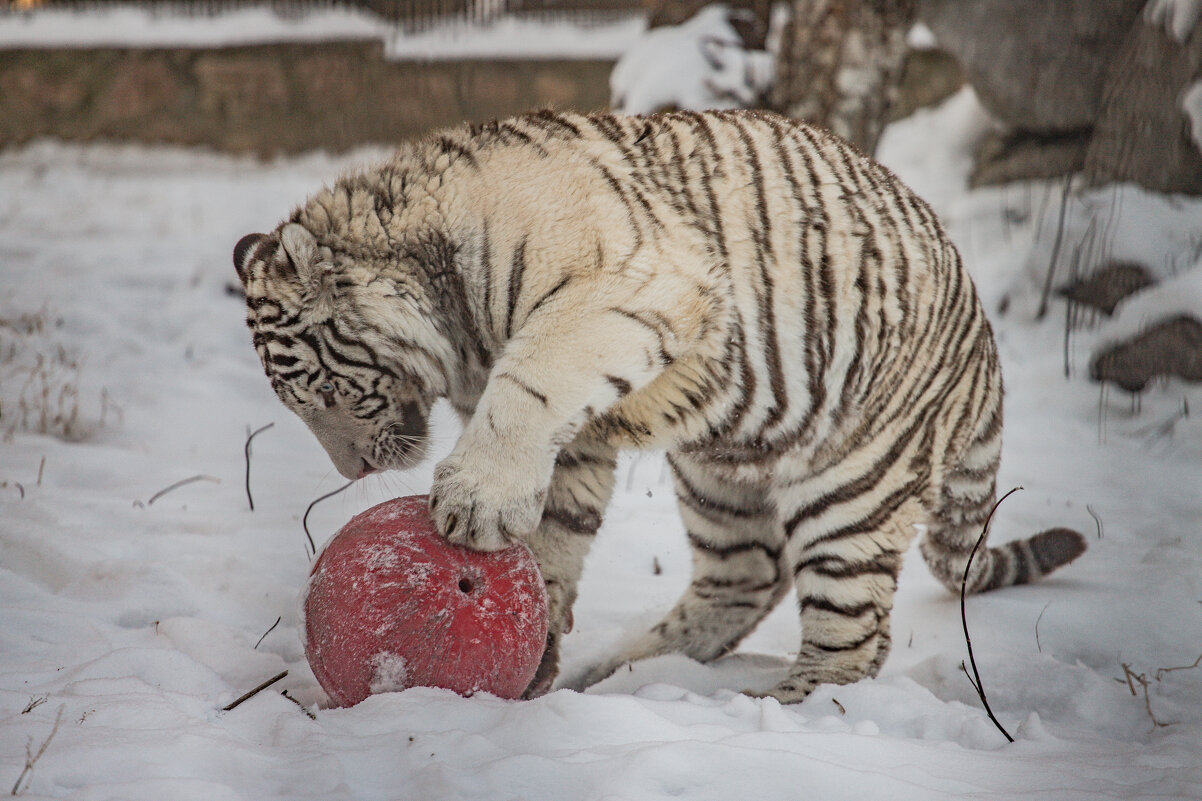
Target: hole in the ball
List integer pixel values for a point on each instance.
(465, 585)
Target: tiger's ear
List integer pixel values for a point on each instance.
(243, 252)
(314, 273)
(301, 248)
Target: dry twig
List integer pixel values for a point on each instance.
(303, 708)
(1134, 678)
(251, 694)
(1161, 671)
(1048, 278)
(31, 758)
(246, 450)
(1038, 647)
(1097, 520)
(264, 637)
(305, 519)
(34, 703)
(179, 484)
(976, 674)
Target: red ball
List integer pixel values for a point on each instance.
(390, 604)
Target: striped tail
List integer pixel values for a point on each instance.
(1021, 561)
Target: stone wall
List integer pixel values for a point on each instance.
(268, 99)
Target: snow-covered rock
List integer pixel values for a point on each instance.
(700, 64)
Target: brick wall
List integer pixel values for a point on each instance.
(267, 99)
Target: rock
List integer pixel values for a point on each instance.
(1108, 286)
(1036, 65)
(1170, 348)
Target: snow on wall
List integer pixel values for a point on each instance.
(127, 26)
(510, 37)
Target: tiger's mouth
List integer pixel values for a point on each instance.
(400, 445)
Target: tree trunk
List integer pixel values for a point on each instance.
(840, 64)
(1142, 134)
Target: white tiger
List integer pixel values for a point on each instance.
(751, 294)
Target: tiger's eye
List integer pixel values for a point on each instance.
(326, 390)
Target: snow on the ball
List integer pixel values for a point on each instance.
(381, 556)
(389, 673)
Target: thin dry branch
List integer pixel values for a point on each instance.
(246, 451)
(1097, 520)
(975, 677)
(305, 520)
(1161, 671)
(1056, 244)
(31, 758)
(269, 630)
(1134, 678)
(34, 703)
(303, 708)
(1038, 647)
(252, 693)
(179, 484)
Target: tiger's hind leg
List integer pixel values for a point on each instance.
(737, 574)
(848, 528)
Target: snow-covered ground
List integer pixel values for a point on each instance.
(133, 623)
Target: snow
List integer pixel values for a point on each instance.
(133, 26)
(140, 621)
(514, 37)
(499, 38)
(1177, 17)
(1191, 106)
(699, 64)
(389, 673)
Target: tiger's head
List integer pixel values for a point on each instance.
(345, 345)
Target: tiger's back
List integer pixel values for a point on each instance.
(774, 309)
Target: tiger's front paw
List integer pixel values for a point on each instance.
(484, 509)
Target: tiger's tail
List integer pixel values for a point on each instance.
(961, 513)
(1017, 562)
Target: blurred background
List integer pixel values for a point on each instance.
(1094, 87)
(1094, 92)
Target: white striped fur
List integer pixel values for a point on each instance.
(751, 294)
